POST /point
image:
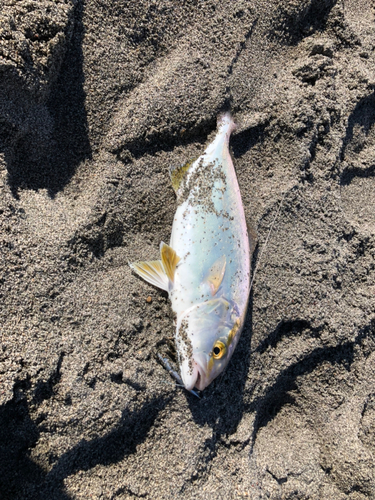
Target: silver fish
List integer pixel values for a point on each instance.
(206, 267)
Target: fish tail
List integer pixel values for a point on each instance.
(225, 121)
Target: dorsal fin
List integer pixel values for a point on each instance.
(178, 173)
(152, 272)
(169, 259)
(215, 274)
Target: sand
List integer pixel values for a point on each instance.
(97, 100)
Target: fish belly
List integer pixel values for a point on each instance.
(202, 233)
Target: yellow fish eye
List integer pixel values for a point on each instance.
(218, 350)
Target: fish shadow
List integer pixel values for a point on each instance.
(245, 140)
(56, 141)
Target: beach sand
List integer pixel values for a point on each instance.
(97, 100)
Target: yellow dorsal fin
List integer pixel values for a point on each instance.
(152, 272)
(215, 274)
(178, 173)
(169, 259)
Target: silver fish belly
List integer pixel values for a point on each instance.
(206, 267)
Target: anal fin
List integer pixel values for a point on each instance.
(152, 272)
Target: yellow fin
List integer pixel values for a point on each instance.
(169, 259)
(152, 272)
(178, 173)
(215, 274)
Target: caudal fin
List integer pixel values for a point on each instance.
(226, 120)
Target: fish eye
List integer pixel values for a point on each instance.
(218, 350)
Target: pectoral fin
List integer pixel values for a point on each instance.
(215, 274)
(170, 259)
(152, 272)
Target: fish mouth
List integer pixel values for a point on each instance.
(193, 375)
(201, 382)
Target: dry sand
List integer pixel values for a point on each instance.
(97, 100)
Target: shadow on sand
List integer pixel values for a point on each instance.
(47, 155)
(22, 478)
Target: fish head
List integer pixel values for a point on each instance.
(206, 337)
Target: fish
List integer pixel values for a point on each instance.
(206, 267)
